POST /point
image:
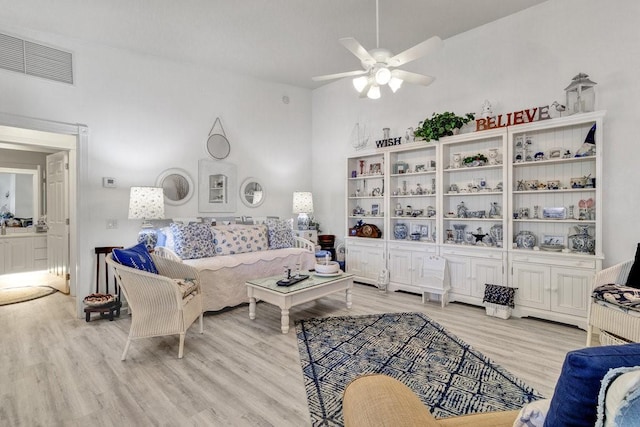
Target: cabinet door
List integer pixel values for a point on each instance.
(354, 257)
(459, 273)
(534, 284)
(373, 262)
(400, 266)
(19, 255)
(364, 261)
(570, 290)
(485, 271)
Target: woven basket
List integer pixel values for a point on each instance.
(607, 338)
(498, 310)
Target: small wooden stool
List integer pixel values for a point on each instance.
(112, 309)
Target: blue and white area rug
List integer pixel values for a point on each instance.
(448, 375)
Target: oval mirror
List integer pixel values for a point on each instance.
(177, 185)
(252, 192)
(218, 146)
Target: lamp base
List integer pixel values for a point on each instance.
(149, 236)
(303, 221)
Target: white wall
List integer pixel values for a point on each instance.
(524, 60)
(147, 114)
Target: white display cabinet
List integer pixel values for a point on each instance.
(365, 191)
(473, 196)
(555, 222)
(412, 191)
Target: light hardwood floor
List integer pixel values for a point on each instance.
(59, 370)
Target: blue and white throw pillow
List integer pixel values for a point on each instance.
(136, 257)
(191, 241)
(280, 234)
(238, 239)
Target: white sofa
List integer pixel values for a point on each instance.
(223, 275)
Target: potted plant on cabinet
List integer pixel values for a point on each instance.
(443, 124)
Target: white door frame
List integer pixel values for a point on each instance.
(30, 133)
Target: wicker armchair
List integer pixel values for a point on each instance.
(616, 326)
(156, 302)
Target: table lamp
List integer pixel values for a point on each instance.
(303, 206)
(147, 203)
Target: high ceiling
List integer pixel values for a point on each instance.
(286, 41)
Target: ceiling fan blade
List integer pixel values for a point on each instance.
(338, 75)
(356, 48)
(414, 78)
(415, 52)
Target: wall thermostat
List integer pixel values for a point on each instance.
(109, 182)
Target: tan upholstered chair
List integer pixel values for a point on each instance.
(378, 401)
(157, 304)
(616, 326)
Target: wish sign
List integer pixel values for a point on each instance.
(514, 118)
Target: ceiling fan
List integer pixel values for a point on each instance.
(380, 65)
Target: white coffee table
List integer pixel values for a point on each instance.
(286, 297)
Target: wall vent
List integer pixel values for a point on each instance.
(35, 59)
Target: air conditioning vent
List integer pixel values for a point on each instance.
(35, 59)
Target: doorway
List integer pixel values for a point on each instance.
(23, 133)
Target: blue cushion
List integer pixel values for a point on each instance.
(575, 399)
(136, 257)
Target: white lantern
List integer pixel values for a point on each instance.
(581, 95)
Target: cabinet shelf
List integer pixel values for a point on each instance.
(472, 168)
(564, 190)
(413, 218)
(365, 177)
(536, 163)
(408, 196)
(557, 221)
(473, 219)
(477, 193)
(402, 175)
(365, 197)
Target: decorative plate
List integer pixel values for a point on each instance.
(98, 299)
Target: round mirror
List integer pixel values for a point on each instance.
(218, 146)
(177, 185)
(252, 193)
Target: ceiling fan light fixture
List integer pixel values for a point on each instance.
(359, 83)
(374, 92)
(395, 84)
(382, 76)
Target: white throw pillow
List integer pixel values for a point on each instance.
(533, 414)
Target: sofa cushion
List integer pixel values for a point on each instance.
(135, 257)
(187, 286)
(280, 234)
(192, 241)
(575, 399)
(238, 239)
(633, 280)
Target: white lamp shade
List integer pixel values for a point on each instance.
(359, 83)
(374, 92)
(394, 84)
(146, 203)
(302, 202)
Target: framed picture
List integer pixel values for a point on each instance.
(424, 232)
(554, 239)
(375, 209)
(375, 168)
(420, 168)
